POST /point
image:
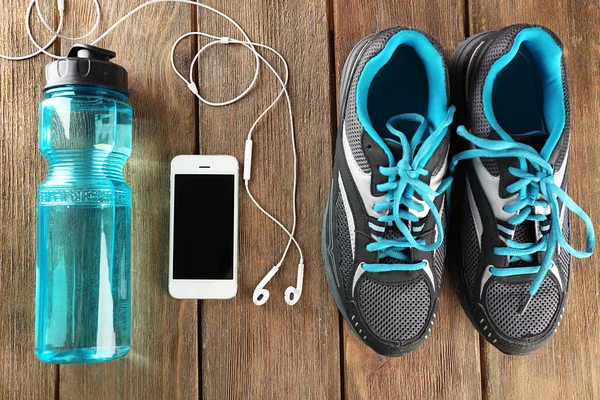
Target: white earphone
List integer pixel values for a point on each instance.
(292, 294)
(260, 295)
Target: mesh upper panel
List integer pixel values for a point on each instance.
(491, 165)
(391, 233)
(470, 251)
(343, 241)
(395, 311)
(525, 232)
(504, 300)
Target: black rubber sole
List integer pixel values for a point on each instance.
(459, 75)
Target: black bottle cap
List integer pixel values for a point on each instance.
(87, 65)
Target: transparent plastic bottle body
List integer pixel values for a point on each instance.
(83, 298)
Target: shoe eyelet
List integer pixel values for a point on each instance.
(369, 146)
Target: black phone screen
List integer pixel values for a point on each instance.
(203, 227)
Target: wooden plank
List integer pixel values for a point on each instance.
(22, 168)
(163, 362)
(273, 351)
(448, 362)
(569, 366)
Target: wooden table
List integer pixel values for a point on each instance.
(233, 349)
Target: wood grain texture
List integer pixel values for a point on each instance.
(569, 366)
(447, 364)
(273, 351)
(163, 362)
(22, 375)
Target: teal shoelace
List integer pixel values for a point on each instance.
(535, 177)
(403, 183)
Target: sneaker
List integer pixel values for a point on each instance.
(383, 230)
(511, 258)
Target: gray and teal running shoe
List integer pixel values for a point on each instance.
(383, 231)
(510, 252)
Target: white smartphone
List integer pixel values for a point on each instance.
(203, 245)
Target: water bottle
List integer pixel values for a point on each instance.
(83, 265)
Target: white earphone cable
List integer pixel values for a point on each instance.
(193, 87)
(27, 24)
(61, 8)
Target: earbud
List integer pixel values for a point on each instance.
(292, 294)
(261, 295)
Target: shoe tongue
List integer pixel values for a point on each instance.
(525, 233)
(536, 140)
(395, 148)
(499, 166)
(404, 126)
(392, 233)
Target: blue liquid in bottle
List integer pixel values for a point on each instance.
(83, 300)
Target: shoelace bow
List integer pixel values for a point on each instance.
(536, 188)
(403, 183)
